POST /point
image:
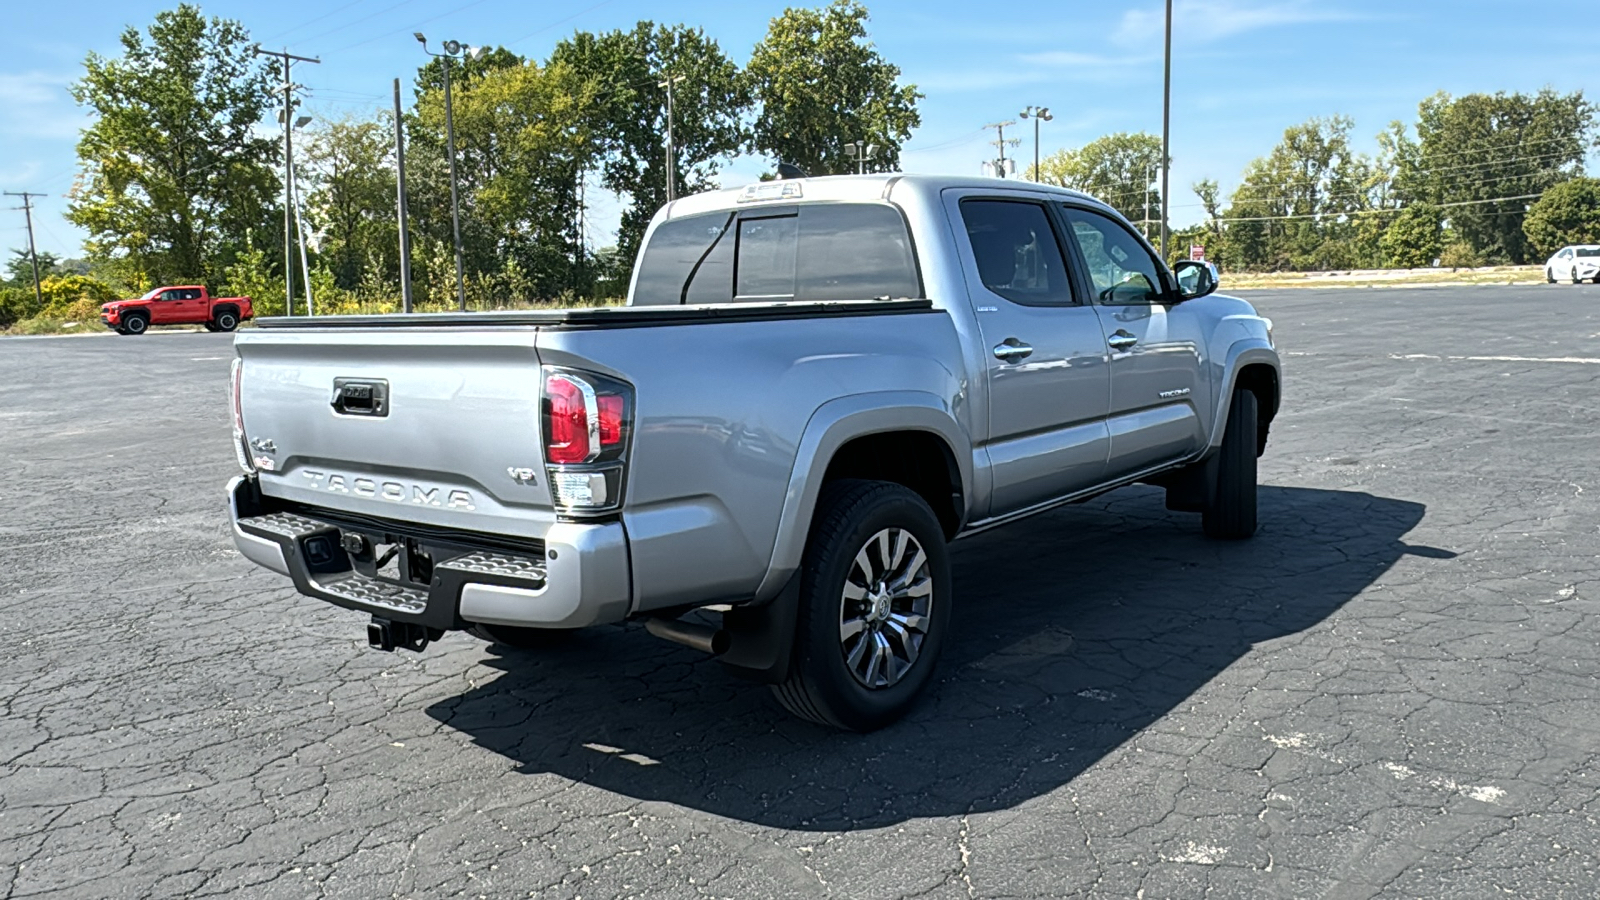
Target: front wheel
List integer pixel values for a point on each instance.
(1231, 512)
(1549, 276)
(875, 600)
(135, 325)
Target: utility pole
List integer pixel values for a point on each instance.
(288, 182)
(400, 203)
(1166, 120)
(452, 50)
(1038, 114)
(672, 151)
(27, 210)
(1002, 143)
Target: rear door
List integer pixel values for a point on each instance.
(1046, 372)
(1156, 347)
(438, 426)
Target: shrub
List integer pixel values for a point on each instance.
(16, 304)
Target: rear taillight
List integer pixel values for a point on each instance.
(586, 422)
(241, 449)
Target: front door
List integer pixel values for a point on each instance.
(1045, 354)
(1156, 347)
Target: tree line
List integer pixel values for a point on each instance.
(1481, 179)
(180, 172)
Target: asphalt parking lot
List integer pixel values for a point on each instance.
(1393, 690)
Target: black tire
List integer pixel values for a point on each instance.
(135, 323)
(226, 320)
(1549, 276)
(822, 686)
(1574, 276)
(210, 326)
(1231, 512)
(521, 638)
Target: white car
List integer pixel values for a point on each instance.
(1579, 262)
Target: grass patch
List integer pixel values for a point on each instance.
(1384, 277)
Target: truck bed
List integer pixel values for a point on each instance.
(606, 316)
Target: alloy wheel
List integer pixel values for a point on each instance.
(884, 619)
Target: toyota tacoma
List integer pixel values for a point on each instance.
(816, 385)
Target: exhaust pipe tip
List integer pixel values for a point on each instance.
(704, 638)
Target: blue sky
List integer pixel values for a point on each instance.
(1243, 70)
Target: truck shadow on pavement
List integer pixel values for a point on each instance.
(1074, 631)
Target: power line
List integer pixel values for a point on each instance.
(325, 15)
(1368, 212)
(412, 27)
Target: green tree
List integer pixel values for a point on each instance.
(350, 174)
(820, 84)
(1299, 206)
(19, 268)
(1414, 238)
(1568, 213)
(1483, 156)
(1120, 169)
(521, 139)
(628, 119)
(174, 171)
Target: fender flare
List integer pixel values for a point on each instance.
(1249, 351)
(834, 424)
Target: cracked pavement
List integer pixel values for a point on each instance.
(1391, 691)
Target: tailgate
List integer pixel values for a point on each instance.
(430, 426)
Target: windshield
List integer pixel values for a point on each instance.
(1589, 251)
(151, 295)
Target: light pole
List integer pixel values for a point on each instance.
(289, 59)
(452, 50)
(1166, 119)
(861, 151)
(667, 81)
(1037, 114)
(299, 226)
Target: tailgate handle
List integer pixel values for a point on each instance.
(361, 396)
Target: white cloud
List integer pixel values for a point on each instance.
(1203, 21)
(36, 104)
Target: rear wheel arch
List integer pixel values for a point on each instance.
(920, 460)
(869, 418)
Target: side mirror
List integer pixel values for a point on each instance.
(1195, 278)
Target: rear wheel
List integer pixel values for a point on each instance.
(135, 323)
(1231, 512)
(875, 600)
(210, 326)
(1574, 276)
(227, 320)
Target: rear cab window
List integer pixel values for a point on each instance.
(805, 252)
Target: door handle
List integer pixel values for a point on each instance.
(1121, 340)
(1011, 350)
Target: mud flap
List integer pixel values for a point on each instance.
(762, 637)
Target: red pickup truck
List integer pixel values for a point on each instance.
(187, 304)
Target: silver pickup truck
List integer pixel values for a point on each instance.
(816, 385)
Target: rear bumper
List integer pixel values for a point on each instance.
(577, 576)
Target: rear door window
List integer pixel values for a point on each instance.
(816, 252)
(1016, 251)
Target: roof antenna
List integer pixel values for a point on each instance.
(790, 170)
